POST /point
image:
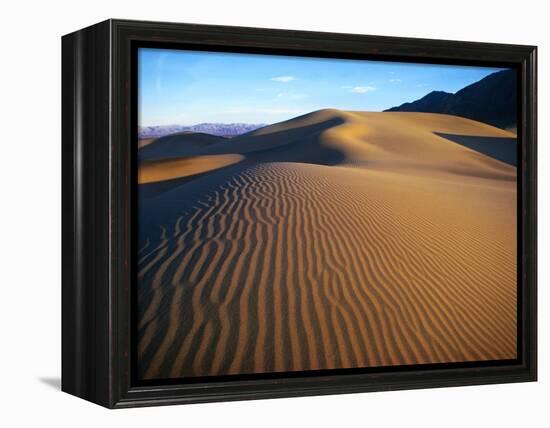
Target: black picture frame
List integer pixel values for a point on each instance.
(98, 211)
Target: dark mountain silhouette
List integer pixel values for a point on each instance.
(491, 100)
(434, 102)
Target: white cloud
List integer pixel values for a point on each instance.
(359, 89)
(395, 80)
(363, 89)
(283, 79)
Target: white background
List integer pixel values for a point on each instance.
(30, 210)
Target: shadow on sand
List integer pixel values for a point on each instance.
(499, 148)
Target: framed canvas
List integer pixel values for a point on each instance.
(253, 213)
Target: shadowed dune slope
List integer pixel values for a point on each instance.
(388, 245)
(501, 148)
(176, 145)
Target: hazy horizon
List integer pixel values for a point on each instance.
(186, 88)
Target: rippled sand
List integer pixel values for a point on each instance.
(333, 240)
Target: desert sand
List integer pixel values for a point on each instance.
(332, 240)
(185, 166)
(145, 142)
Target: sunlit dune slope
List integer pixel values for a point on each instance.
(168, 169)
(144, 142)
(338, 240)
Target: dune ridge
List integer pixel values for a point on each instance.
(168, 169)
(367, 240)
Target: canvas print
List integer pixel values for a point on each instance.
(302, 214)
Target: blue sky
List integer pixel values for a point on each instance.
(190, 87)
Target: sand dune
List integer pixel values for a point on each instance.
(168, 169)
(176, 145)
(338, 240)
(501, 148)
(144, 142)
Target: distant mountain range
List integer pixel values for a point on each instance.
(219, 129)
(491, 100)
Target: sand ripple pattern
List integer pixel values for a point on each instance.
(294, 266)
